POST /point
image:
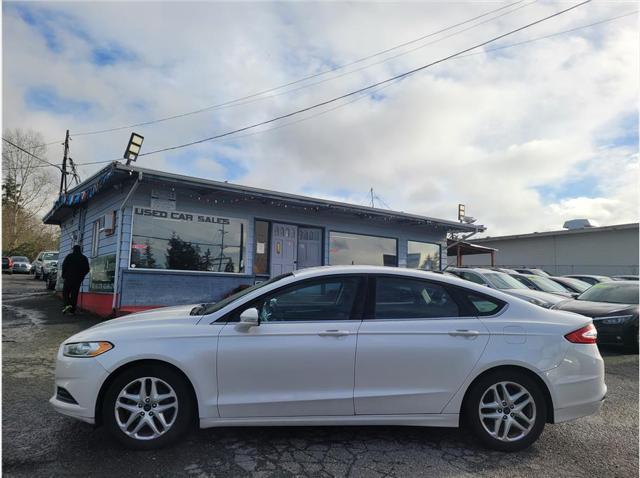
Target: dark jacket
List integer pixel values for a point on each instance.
(75, 267)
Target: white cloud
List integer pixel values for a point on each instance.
(488, 130)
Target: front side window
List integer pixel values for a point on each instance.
(187, 241)
(423, 255)
(400, 298)
(357, 249)
(326, 300)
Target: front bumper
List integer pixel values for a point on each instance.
(82, 378)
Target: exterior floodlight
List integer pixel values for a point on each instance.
(133, 148)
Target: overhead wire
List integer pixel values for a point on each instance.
(309, 77)
(369, 92)
(366, 88)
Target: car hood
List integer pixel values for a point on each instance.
(150, 319)
(596, 309)
(535, 294)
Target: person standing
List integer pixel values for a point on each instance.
(74, 269)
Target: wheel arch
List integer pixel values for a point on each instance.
(519, 368)
(136, 363)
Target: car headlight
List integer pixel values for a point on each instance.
(613, 319)
(86, 349)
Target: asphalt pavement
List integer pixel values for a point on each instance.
(37, 442)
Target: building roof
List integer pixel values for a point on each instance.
(116, 172)
(466, 248)
(563, 232)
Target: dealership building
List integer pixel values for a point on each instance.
(578, 249)
(155, 239)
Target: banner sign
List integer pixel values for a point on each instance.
(179, 216)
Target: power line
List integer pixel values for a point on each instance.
(366, 88)
(31, 154)
(240, 101)
(362, 96)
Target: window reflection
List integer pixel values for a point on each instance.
(423, 255)
(196, 243)
(349, 249)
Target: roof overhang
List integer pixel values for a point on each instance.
(116, 172)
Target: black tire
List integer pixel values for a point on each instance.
(184, 420)
(472, 406)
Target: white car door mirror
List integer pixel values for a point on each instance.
(250, 317)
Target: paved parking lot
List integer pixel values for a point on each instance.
(39, 442)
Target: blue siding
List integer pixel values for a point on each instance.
(140, 288)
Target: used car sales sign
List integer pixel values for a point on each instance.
(179, 216)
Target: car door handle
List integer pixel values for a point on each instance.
(464, 333)
(334, 333)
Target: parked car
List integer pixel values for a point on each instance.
(52, 277)
(534, 271)
(544, 284)
(7, 265)
(21, 265)
(590, 279)
(506, 283)
(44, 260)
(574, 285)
(502, 269)
(284, 353)
(625, 277)
(614, 308)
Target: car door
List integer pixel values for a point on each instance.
(416, 345)
(300, 359)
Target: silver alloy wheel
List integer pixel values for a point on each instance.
(507, 411)
(146, 408)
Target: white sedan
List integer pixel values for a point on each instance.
(350, 345)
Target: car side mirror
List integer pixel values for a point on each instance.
(250, 317)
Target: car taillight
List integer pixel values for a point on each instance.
(585, 335)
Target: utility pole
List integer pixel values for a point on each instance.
(63, 179)
(372, 205)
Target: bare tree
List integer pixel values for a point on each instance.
(28, 186)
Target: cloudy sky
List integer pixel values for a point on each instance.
(526, 136)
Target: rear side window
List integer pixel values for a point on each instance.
(485, 305)
(400, 298)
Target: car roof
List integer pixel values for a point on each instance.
(321, 271)
(595, 276)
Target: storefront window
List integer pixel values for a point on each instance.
(423, 255)
(346, 248)
(177, 240)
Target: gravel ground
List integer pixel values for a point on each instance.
(39, 442)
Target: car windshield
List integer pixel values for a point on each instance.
(216, 306)
(19, 259)
(577, 284)
(499, 280)
(614, 293)
(547, 285)
(50, 256)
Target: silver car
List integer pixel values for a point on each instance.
(41, 266)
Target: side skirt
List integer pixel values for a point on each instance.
(430, 420)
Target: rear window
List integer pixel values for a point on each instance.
(19, 259)
(485, 305)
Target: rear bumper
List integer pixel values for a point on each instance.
(577, 384)
(577, 411)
